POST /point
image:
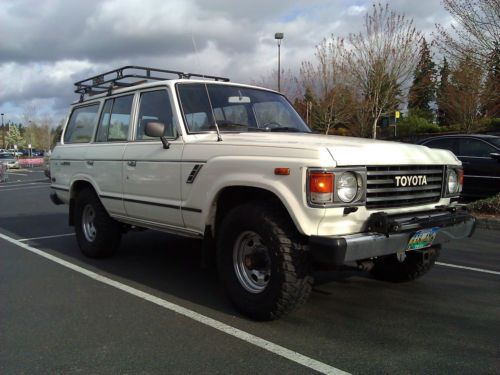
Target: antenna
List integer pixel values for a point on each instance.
(219, 138)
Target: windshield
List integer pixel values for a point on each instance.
(6, 156)
(236, 109)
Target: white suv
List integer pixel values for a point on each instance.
(236, 166)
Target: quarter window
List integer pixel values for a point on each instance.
(81, 124)
(115, 119)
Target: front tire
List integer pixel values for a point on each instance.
(97, 234)
(263, 261)
(416, 264)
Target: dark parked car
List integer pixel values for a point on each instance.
(480, 156)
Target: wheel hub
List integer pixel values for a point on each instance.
(88, 226)
(251, 262)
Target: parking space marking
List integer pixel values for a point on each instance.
(468, 268)
(46, 237)
(16, 174)
(20, 183)
(14, 188)
(218, 325)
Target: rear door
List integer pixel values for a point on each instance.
(104, 155)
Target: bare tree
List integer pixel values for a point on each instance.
(381, 59)
(288, 83)
(333, 102)
(476, 32)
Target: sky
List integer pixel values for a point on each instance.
(47, 45)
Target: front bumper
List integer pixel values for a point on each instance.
(389, 234)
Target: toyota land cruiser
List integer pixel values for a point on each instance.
(236, 166)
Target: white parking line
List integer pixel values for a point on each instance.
(468, 268)
(13, 188)
(223, 327)
(46, 237)
(16, 174)
(23, 182)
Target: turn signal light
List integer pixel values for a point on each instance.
(461, 178)
(321, 187)
(282, 171)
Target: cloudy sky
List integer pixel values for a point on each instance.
(47, 45)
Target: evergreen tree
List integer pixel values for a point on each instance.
(14, 137)
(443, 116)
(423, 91)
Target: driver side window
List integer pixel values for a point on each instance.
(155, 106)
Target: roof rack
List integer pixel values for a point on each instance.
(124, 77)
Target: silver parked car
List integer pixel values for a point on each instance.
(9, 159)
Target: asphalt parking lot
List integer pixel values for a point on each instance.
(152, 308)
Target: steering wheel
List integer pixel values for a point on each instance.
(271, 125)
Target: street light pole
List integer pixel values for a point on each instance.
(279, 38)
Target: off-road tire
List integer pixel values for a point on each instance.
(107, 231)
(416, 264)
(290, 281)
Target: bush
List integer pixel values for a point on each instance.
(412, 124)
(490, 206)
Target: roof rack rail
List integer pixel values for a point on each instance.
(123, 77)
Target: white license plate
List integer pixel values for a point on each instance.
(422, 239)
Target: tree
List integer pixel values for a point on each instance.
(423, 90)
(476, 31)
(443, 116)
(490, 97)
(463, 94)
(13, 137)
(329, 100)
(381, 60)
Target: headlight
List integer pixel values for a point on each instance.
(347, 187)
(453, 183)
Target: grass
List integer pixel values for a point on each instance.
(488, 206)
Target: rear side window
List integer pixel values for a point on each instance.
(115, 119)
(155, 106)
(81, 124)
(475, 147)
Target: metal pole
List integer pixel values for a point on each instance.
(3, 133)
(279, 38)
(279, 65)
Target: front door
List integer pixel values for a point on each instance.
(151, 173)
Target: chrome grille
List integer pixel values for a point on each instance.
(382, 191)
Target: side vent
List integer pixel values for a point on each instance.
(194, 172)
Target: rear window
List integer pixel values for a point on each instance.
(81, 124)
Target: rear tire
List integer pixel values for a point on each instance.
(97, 234)
(263, 261)
(416, 264)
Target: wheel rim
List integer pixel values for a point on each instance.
(88, 225)
(251, 262)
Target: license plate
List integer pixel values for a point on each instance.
(422, 239)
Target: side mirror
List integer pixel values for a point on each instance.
(156, 129)
(495, 155)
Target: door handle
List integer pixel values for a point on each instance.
(131, 163)
(90, 162)
(65, 163)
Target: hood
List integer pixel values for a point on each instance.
(348, 151)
